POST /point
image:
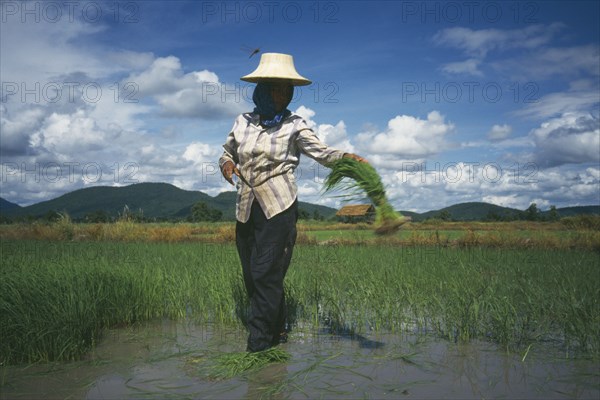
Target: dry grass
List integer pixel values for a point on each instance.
(225, 233)
(332, 226)
(518, 234)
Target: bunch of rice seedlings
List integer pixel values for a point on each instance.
(232, 364)
(365, 179)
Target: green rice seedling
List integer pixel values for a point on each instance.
(367, 180)
(57, 298)
(233, 364)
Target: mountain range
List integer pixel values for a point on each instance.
(153, 200)
(165, 201)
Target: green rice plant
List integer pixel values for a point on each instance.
(233, 364)
(364, 178)
(58, 298)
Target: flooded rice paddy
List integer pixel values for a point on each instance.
(466, 323)
(164, 359)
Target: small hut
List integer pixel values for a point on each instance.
(357, 213)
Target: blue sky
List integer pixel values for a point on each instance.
(493, 101)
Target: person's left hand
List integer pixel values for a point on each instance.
(355, 157)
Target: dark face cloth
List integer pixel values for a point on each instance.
(265, 106)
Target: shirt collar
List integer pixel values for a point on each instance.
(255, 119)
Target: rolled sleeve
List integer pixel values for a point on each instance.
(230, 149)
(313, 147)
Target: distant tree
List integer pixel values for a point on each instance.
(139, 216)
(202, 212)
(97, 216)
(52, 216)
(512, 216)
(553, 214)
(303, 214)
(492, 216)
(317, 216)
(444, 215)
(532, 213)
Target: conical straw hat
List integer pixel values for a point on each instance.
(276, 66)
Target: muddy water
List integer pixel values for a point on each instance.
(168, 359)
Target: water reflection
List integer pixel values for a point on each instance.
(269, 382)
(166, 359)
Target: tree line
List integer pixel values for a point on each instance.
(199, 212)
(202, 212)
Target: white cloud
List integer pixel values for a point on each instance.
(409, 137)
(478, 43)
(52, 153)
(200, 102)
(537, 59)
(519, 202)
(69, 134)
(499, 132)
(593, 173)
(15, 131)
(131, 59)
(547, 62)
(196, 94)
(335, 136)
(164, 75)
(468, 67)
(56, 144)
(307, 114)
(514, 185)
(40, 50)
(197, 152)
(308, 188)
(555, 104)
(571, 138)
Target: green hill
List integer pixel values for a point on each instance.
(7, 206)
(474, 211)
(225, 202)
(571, 211)
(155, 200)
(165, 201)
(479, 211)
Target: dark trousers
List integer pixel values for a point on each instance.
(265, 248)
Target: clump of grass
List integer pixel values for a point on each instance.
(225, 234)
(364, 178)
(582, 222)
(233, 364)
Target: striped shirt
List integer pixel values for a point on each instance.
(267, 158)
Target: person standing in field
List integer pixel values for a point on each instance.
(263, 150)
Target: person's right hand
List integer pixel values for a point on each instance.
(228, 170)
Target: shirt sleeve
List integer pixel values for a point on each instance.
(230, 148)
(308, 142)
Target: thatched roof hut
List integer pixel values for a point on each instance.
(357, 210)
